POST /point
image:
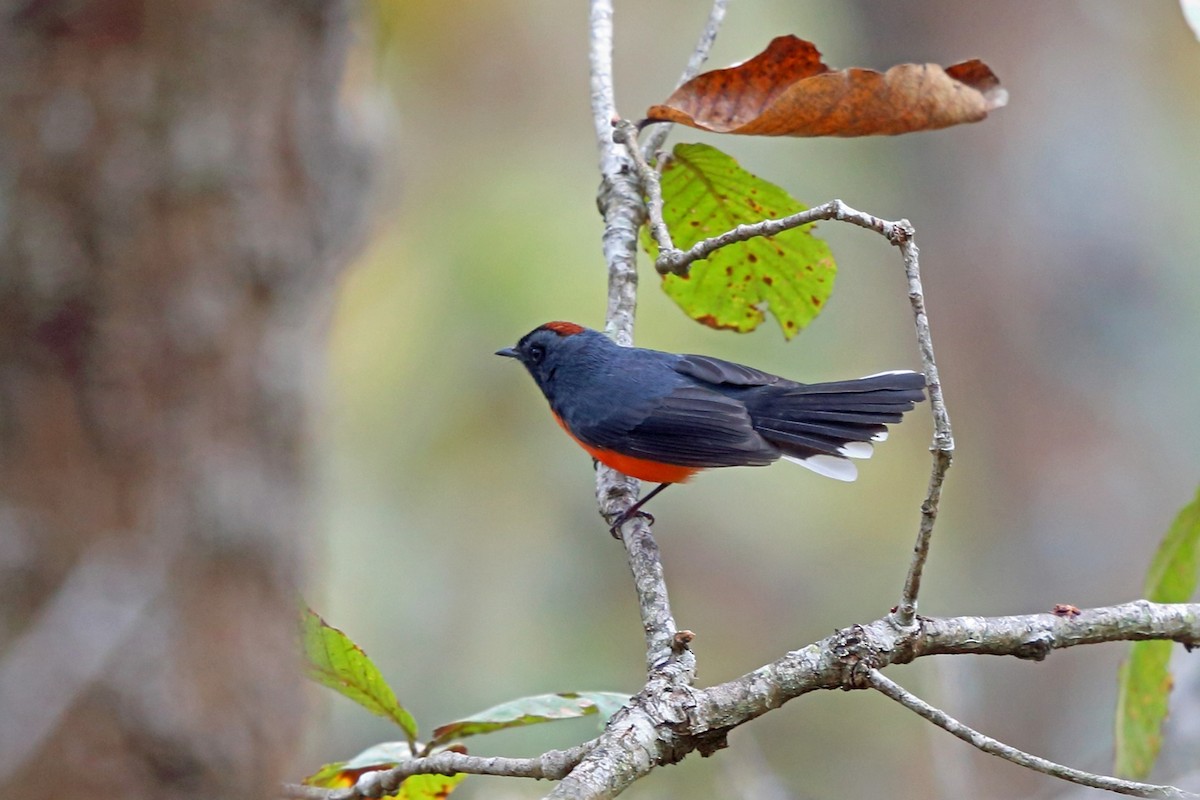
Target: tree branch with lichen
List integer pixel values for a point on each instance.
(668, 719)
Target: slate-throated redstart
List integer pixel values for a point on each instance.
(663, 417)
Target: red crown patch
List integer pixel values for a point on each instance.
(564, 328)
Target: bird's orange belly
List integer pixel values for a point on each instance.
(640, 468)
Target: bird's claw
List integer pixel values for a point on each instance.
(615, 528)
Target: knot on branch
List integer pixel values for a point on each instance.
(856, 656)
(1037, 647)
(672, 261)
(682, 727)
(901, 232)
(556, 763)
(672, 710)
(624, 131)
(905, 620)
(710, 742)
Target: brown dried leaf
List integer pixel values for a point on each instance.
(787, 91)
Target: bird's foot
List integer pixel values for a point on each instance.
(615, 529)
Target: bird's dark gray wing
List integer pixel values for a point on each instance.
(718, 371)
(690, 427)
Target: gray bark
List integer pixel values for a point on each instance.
(177, 186)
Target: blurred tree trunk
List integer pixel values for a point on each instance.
(177, 186)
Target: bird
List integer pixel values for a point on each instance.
(662, 417)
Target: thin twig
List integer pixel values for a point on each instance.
(716, 16)
(680, 261)
(619, 200)
(942, 447)
(628, 747)
(878, 681)
(625, 132)
(553, 765)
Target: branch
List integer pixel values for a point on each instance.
(836, 661)
(621, 204)
(553, 765)
(664, 723)
(619, 200)
(668, 720)
(1035, 636)
(631, 744)
(876, 680)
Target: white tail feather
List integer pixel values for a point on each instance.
(856, 449)
(830, 466)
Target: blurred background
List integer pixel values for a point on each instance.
(1058, 243)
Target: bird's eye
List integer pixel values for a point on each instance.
(536, 353)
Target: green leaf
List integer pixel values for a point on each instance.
(1175, 568)
(428, 787)
(342, 774)
(791, 274)
(1144, 683)
(331, 776)
(531, 711)
(340, 664)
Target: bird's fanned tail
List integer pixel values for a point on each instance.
(821, 426)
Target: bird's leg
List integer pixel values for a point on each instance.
(635, 510)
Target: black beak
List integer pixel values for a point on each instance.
(508, 352)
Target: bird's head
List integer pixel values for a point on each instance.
(546, 348)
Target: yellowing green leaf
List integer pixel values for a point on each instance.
(1145, 683)
(342, 774)
(791, 274)
(337, 662)
(331, 776)
(531, 711)
(1145, 680)
(428, 787)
